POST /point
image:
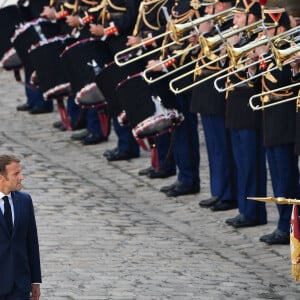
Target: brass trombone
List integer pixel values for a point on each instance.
(177, 31)
(267, 105)
(151, 80)
(280, 56)
(234, 54)
(213, 41)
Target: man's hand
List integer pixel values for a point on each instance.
(153, 62)
(48, 13)
(73, 21)
(133, 40)
(97, 30)
(295, 64)
(35, 292)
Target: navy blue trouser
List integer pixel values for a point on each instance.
(251, 174)
(126, 141)
(219, 156)
(283, 166)
(186, 143)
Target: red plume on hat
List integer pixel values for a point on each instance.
(263, 2)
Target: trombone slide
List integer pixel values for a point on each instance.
(263, 106)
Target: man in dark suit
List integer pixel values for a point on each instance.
(20, 274)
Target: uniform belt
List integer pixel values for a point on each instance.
(242, 86)
(116, 15)
(275, 98)
(207, 72)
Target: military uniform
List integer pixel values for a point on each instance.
(150, 23)
(245, 130)
(35, 102)
(279, 125)
(186, 138)
(211, 106)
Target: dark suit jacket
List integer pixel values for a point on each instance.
(19, 253)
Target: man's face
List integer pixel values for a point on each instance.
(12, 181)
(209, 9)
(239, 19)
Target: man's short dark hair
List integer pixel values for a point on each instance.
(6, 159)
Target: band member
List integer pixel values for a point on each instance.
(35, 103)
(77, 16)
(151, 23)
(186, 139)
(279, 136)
(211, 106)
(295, 65)
(245, 132)
(114, 23)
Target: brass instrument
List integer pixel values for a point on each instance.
(180, 29)
(266, 105)
(210, 42)
(280, 55)
(232, 53)
(150, 80)
(176, 31)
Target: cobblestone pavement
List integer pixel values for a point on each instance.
(106, 233)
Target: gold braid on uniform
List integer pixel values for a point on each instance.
(104, 14)
(74, 7)
(118, 8)
(268, 76)
(228, 83)
(298, 101)
(149, 10)
(88, 2)
(177, 19)
(144, 10)
(215, 67)
(277, 95)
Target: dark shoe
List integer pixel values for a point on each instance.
(231, 221)
(209, 202)
(224, 205)
(59, 125)
(109, 152)
(243, 222)
(24, 107)
(146, 171)
(121, 155)
(278, 237)
(80, 135)
(40, 110)
(168, 188)
(160, 174)
(93, 139)
(183, 189)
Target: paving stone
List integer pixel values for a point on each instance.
(107, 233)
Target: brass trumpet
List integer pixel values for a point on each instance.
(177, 31)
(267, 105)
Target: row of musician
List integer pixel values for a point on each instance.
(151, 66)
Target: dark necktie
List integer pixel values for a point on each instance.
(7, 214)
